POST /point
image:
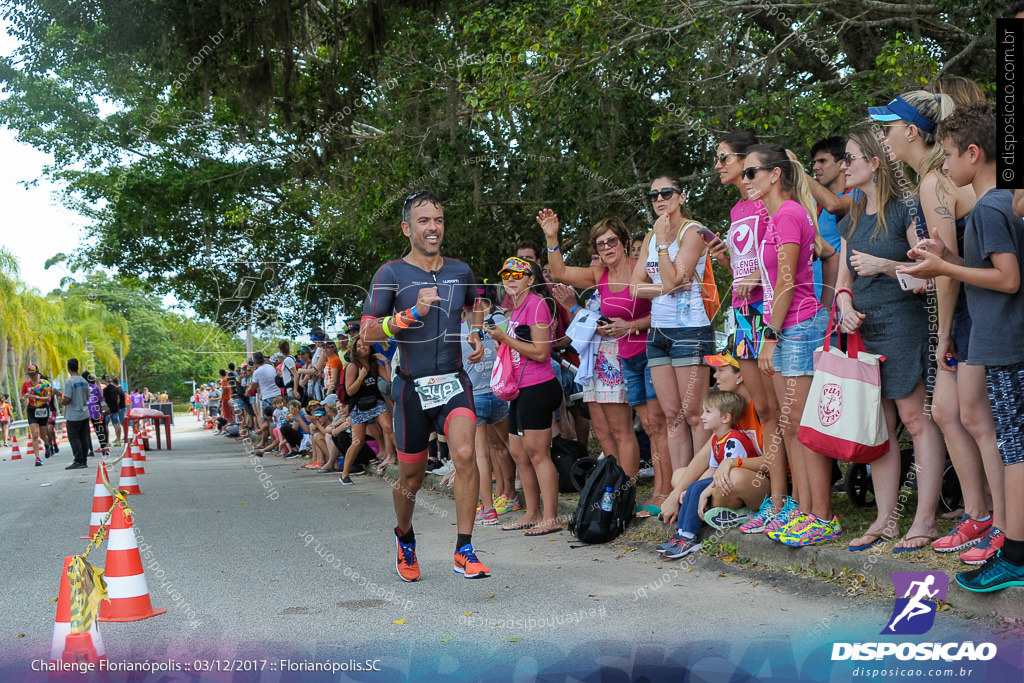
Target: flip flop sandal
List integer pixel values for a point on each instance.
(515, 526)
(912, 550)
(876, 540)
(649, 510)
(541, 532)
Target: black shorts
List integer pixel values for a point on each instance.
(534, 407)
(33, 418)
(413, 425)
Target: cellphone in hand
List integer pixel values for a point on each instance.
(604, 321)
(909, 283)
(707, 235)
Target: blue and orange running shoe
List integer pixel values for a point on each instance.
(467, 564)
(406, 564)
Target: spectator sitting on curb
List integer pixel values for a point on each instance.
(721, 415)
(729, 379)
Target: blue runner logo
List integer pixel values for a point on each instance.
(917, 598)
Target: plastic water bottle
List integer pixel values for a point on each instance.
(607, 499)
(683, 307)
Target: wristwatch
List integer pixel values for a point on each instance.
(770, 333)
(662, 248)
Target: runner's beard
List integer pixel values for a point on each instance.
(426, 248)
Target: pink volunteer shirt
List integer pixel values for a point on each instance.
(533, 311)
(790, 225)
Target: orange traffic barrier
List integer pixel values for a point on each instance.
(126, 581)
(102, 501)
(70, 646)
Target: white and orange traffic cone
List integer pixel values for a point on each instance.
(126, 582)
(102, 501)
(127, 481)
(30, 448)
(64, 432)
(138, 459)
(15, 451)
(65, 644)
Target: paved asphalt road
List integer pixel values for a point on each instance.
(256, 573)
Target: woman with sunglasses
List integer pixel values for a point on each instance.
(622, 380)
(960, 397)
(739, 254)
(530, 414)
(794, 326)
(877, 233)
(681, 333)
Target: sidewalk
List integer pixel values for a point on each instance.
(874, 564)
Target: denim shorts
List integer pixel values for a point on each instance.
(489, 409)
(639, 387)
(794, 356)
(680, 346)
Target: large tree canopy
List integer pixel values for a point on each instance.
(252, 156)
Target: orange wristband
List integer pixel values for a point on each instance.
(739, 463)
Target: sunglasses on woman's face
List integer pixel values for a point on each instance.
(722, 158)
(848, 158)
(664, 193)
(751, 171)
(609, 243)
(512, 275)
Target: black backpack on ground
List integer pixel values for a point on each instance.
(565, 453)
(592, 524)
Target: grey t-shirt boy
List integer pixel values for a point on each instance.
(998, 318)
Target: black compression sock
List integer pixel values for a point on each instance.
(1013, 551)
(442, 449)
(407, 537)
(463, 540)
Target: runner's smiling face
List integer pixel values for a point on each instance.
(425, 228)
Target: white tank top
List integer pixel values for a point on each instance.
(684, 308)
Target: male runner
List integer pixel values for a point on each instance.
(420, 298)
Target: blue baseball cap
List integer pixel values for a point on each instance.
(901, 110)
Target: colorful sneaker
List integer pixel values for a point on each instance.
(682, 548)
(467, 564)
(801, 520)
(994, 575)
(486, 518)
(39, 463)
(790, 511)
(726, 518)
(766, 513)
(670, 543)
(406, 564)
(512, 504)
(989, 546)
(815, 531)
(501, 505)
(965, 534)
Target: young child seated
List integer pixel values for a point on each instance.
(722, 411)
(727, 378)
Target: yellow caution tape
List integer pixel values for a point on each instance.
(88, 589)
